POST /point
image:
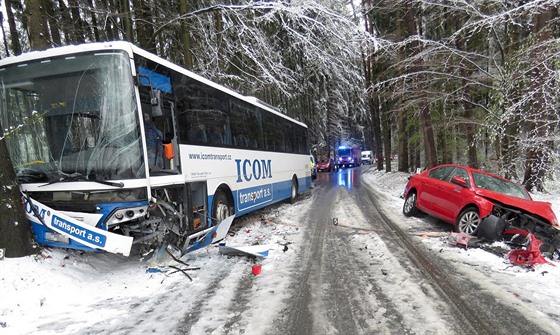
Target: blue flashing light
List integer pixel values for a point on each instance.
(342, 147)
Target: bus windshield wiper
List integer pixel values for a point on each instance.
(82, 177)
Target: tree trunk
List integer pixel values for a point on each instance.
(126, 19)
(402, 141)
(109, 22)
(66, 23)
(374, 108)
(373, 100)
(4, 35)
(402, 117)
(144, 25)
(185, 35)
(445, 145)
(537, 120)
(428, 136)
(78, 24)
(53, 22)
(14, 33)
(39, 36)
(425, 116)
(15, 232)
(472, 158)
(94, 23)
(387, 137)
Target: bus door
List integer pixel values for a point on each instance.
(158, 111)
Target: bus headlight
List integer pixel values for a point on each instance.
(126, 214)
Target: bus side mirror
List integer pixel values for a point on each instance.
(156, 103)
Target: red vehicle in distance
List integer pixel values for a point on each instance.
(349, 156)
(327, 164)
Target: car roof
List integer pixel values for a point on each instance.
(472, 170)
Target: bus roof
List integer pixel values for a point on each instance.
(131, 49)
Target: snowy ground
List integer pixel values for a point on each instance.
(66, 292)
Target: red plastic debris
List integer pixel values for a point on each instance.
(531, 256)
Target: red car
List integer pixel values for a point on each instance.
(327, 164)
(474, 200)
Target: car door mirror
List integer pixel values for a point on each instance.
(459, 181)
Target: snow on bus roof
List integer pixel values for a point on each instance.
(66, 50)
(130, 49)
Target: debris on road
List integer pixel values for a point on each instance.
(531, 256)
(257, 251)
(256, 269)
(526, 255)
(171, 269)
(430, 234)
(462, 239)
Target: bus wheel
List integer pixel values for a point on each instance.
(294, 191)
(221, 208)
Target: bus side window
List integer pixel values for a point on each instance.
(227, 132)
(215, 135)
(240, 140)
(197, 133)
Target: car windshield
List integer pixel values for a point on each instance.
(499, 185)
(324, 160)
(72, 116)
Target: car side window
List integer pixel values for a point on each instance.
(440, 173)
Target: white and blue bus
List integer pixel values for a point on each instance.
(113, 145)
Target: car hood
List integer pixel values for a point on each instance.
(540, 208)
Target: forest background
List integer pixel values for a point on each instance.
(474, 82)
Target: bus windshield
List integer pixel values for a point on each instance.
(72, 118)
(345, 151)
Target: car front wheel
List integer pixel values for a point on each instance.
(468, 221)
(409, 207)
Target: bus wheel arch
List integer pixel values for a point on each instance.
(222, 204)
(294, 189)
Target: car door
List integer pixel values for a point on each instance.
(429, 194)
(452, 197)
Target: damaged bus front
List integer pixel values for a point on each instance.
(76, 137)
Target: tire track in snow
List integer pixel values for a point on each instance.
(385, 294)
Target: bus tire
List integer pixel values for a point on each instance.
(293, 190)
(221, 208)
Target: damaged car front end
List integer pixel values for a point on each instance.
(486, 206)
(533, 228)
